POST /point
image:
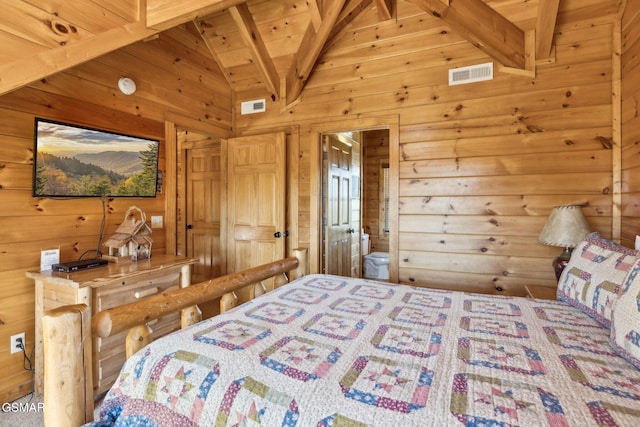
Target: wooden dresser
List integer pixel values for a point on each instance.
(102, 288)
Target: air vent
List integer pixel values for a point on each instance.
(471, 74)
(250, 107)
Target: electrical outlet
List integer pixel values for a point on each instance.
(14, 343)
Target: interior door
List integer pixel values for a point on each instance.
(204, 185)
(256, 202)
(204, 207)
(339, 230)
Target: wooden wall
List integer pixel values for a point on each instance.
(630, 73)
(169, 75)
(480, 165)
(375, 151)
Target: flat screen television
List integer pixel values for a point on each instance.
(78, 161)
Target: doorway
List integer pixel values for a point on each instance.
(341, 204)
(366, 218)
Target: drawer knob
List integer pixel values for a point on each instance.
(146, 293)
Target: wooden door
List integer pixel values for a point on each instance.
(205, 198)
(256, 202)
(339, 229)
(201, 202)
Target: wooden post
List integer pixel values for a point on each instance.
(303, 267)
(137, 338)
(280, 280)
(190, 316)
(228, 301)
(68, 378)
(258, 289)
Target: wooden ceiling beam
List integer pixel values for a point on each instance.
(481, 25)
(165, 14)
(158, 15)
(27, 70)
(310, 47)
(350, 11)
(386, 9)
(314, 14)
(545, 27)
(258, 50)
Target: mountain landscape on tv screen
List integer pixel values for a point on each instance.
(113, 173)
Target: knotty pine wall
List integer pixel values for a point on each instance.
(174, 79)
(375, 150)
(630, 65)
(480, 165)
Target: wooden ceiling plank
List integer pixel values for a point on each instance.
(252, 38)
(164, 14)
(214, 53)
(94, 16)
(482, 26)
(385, 9)
(24, 71)
(309, 50)
(545, 27)
(39, 26)
(127, 9)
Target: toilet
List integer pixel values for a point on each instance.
(376, 266)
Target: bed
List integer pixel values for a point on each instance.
(334, 351)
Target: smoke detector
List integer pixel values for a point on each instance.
(126, 85)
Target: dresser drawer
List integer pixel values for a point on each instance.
(127, 291)
(109, 353)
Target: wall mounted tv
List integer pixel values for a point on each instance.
(77, 161)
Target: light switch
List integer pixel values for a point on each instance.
(156, 221)
(637, 242)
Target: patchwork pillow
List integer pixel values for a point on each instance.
(593, 278)
(625, 321)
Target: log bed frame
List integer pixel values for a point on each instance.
(68, 332)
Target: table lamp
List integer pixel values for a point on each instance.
(565, 227)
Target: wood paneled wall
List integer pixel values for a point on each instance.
(630, 120)
(169, 75)
(375, 151)
(480, 165)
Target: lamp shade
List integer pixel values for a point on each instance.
(565, 227)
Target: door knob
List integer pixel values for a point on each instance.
(351, 231)
(189, 226)
(277, 234)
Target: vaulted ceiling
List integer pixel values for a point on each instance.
(273, 44)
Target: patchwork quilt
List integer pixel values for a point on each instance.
(333, 351)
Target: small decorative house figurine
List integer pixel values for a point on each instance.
(131, 242)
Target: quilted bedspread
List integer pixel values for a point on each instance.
(333, 351)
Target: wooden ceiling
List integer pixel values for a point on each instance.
(268, 44)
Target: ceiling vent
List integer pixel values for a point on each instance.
(250, 107)
(471, 74)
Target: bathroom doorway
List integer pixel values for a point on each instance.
(362, 128)
(355, 201)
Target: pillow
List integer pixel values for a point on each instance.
(593, 278)
(625, 321)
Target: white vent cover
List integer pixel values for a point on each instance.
(473, 73)
(250, 107)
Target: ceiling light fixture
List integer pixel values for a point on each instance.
(126, 85)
